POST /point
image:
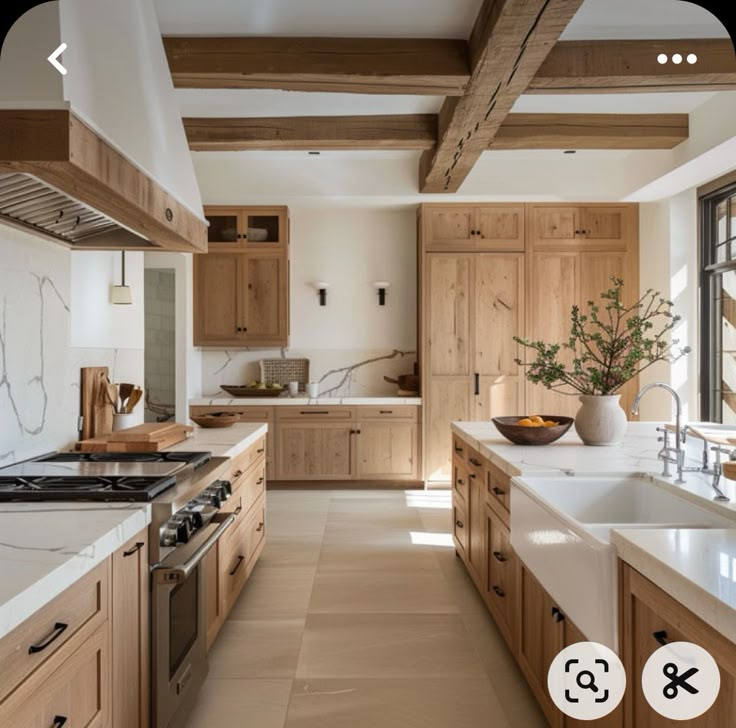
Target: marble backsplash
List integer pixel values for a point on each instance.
(340, 372)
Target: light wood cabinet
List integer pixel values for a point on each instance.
(241, 286)
(464, 228)
(650, 615)
(500, 577)
(553, 224)
(130, 634)
(587, 225)
(324, 450)
(387, 450)
(476, 546)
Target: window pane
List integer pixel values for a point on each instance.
(722, 221)
(728, 346)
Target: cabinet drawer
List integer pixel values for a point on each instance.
(475, 462)
(76, 695)
(498, 491)
(315, 412)
(459, 448)
(240, 463)
(459, 480)
(72, 616)
(501, 576)
(388, 412)
(460, 527)
(246, 413)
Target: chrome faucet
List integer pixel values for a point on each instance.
(717, 471)
(667, 454)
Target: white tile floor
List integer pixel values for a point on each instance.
(358, 615)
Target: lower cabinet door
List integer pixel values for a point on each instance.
(460, 528)
(386, 450)
(315, 451)
(212, 603)
(477, 525)
(75, 695)
(501, 577)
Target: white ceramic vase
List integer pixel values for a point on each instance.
(601, 420)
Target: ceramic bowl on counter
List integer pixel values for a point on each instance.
(510, 428)
(216, 419)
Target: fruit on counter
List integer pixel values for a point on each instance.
(256, 384)
(536, 421)
(275, 385)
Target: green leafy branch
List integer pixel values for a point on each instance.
(607, 347)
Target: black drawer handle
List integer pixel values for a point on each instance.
(59, 721)
(59, 627)
(660, 636)
(241, 559)
(238, 510)
(471, 476)
(458, 449)
(498, 491)
(459, 524)
(500, 592)
(260, 527)
(385, 412)
(260, 450)
(259, 481)
(237, 474)
(499, 556)
(460, 481)
(558, 615)
(138, 546)
(475, 462)
(314, 412)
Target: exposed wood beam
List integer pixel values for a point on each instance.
(351, 65)
(410, 131)
(626, 66)
(508, 44)
(591, 131)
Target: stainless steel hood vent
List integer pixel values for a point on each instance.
(29, 203)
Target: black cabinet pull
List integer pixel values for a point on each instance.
(499, 556)
(472, 476)
(458, 449)
(59, 627)
(259, 481)
(238, 510)
(558, 615)
(260, 450)
(314, 412)
(477, 463)
(660, 636)
(459, 524)
(59, 721)
(499, 591)
(240, 328)
(460, 481)
(260, 527)
(498, 491)
(577, 232)
(385, 412)
(477, 383)
(241, 559)
(138, 546)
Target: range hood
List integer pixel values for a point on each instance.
(62, 180)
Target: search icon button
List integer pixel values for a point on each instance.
(589, 684)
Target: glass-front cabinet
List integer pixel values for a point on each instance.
(247, 227)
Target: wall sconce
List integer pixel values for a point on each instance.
(121, 295)
(321, 288)
(381, 287)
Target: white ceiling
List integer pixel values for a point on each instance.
(638, 103)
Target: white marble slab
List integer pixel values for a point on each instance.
(697, 567)
(46, 547)
(303, 401)
(225, 442)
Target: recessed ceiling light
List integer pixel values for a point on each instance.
(314, 154)
(676, 58)
(692, 58)
(662, 58)
(570, 151)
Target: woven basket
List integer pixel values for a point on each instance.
(283, 371)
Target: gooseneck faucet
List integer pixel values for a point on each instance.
(666, 452)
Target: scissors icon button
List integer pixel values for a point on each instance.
(677, 681)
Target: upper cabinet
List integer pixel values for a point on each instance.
(488, 227)
(247, 227)
(241, 287)
(596, 225)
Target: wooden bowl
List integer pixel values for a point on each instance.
(532, 435)
(216, 419)
(243, 391)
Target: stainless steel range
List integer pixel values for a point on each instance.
(185, 491)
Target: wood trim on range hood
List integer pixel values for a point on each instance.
(56, 147)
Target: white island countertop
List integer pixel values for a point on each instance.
(46, 547)
(226, 400)
(226, 442)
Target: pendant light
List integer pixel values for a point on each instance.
(122, 294)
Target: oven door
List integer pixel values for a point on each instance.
(178, 639)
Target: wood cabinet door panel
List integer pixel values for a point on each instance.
(225, 231)
(500, 587)
(449, 401)
(606, 224)
(264, 299)
(450, 228)
(449, 296)
(217, 295)
(476, 524)
(500, 227)
(314, 451)
(386, 449)
(460, 482)
(554, 225)
(212, 603)
(460, 529)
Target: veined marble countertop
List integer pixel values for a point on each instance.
(224, 442)
(697, 567)
(46, 547)
(285, 399)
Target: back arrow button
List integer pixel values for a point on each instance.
(53, 59)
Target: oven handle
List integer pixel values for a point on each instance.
(178, 573)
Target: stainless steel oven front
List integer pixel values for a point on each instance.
(178, 626)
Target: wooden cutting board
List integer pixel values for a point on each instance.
(148, 441)
(148, 432)
(96, 409)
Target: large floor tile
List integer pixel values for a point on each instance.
(403, 703)
(291, 551)
(275, 592)
(257, 649)
(381, 591)
(241, 704)
(386, 645)
(354, 557)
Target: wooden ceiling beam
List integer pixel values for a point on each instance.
(630, 66)
(508, 44)
(349, 65)
(591, 131)
(410, 131)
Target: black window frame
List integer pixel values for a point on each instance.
(711, 401)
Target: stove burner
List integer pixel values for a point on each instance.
(109, 488)
(196, 459)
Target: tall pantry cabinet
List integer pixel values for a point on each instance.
(491, 272)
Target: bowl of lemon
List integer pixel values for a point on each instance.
(533, 430)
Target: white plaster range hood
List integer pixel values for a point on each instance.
(95, 158)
